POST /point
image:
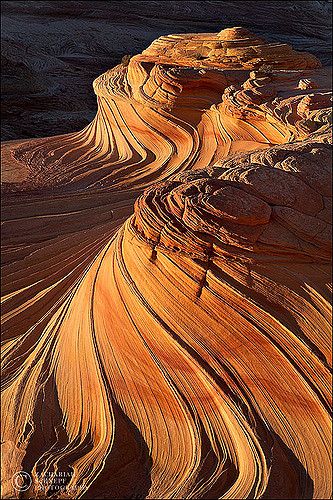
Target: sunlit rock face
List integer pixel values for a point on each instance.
(261, 209)
(60, 48)
(165, 107)
(235, 48)
(166, 281)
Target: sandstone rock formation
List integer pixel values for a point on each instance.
(51, 51)
(166, 291)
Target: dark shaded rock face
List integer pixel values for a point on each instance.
(52, 51)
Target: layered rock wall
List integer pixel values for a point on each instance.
(166, 293)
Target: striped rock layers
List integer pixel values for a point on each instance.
(166, 291)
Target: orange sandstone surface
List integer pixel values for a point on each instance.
(167, 278)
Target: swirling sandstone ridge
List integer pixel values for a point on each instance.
(180, 349)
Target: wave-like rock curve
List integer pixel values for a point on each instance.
(166, 291)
